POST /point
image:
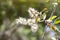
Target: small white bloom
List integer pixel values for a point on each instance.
(34, 28)
(17, 21)
(30, 21)
(24, 21)
(21, 21)
(32, 12)
(55, 4)
(32, 9)
(36, 15)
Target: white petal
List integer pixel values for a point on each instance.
(22, 21)
(34, 28)
(30, 21)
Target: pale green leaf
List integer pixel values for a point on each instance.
(52, 18)
(57, 21)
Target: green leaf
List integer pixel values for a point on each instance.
(38, 19)
(44, 15)
(57, 21)
(53, 17)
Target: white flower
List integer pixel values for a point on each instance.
(34, 28)
(30, 21)
(55, 4)
(17, 21)
(21, 21)
(36, 15)
(32, 12)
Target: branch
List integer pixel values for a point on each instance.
(54, 8)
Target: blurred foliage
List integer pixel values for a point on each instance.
(57, 21)
(12, 9)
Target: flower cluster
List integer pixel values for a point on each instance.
(38, 16)
(30, 22)
(35, 18)
(21, 20)
(32, 12)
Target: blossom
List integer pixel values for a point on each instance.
(55, 4)
(21, 21)
(34, 28)
(30, 21)
(33, 12)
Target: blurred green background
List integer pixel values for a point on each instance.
(12, 9)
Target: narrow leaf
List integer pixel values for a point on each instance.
(53, 17)
(57, 21)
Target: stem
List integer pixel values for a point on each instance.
(53, 11)
(53, 7)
